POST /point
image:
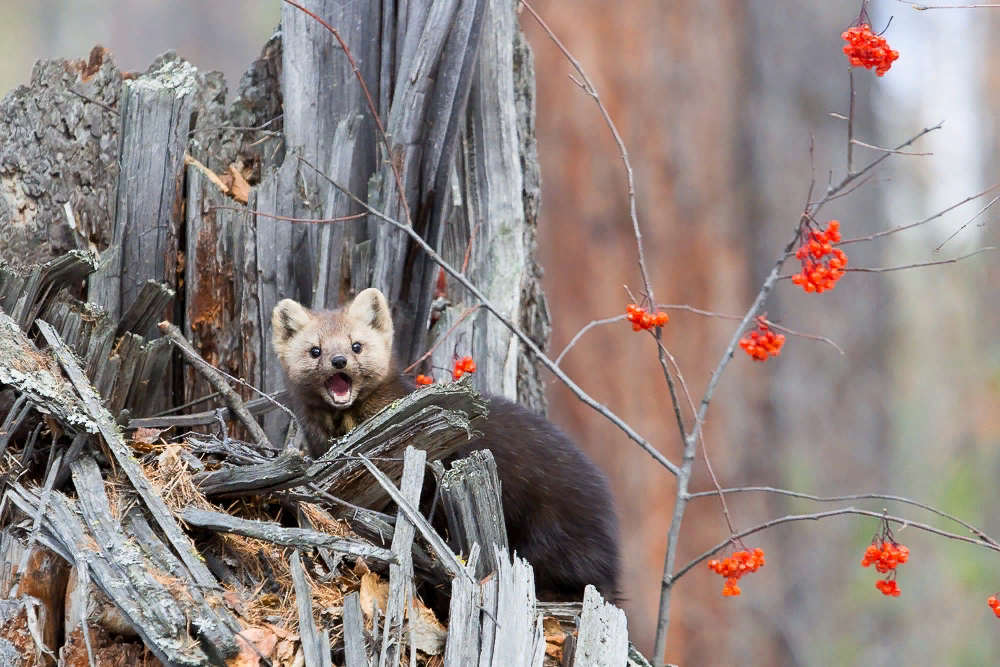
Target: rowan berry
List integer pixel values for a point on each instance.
(866, 49)
(822, 264)
(642, 320)
(462, 366)
(735, 566)
(886, 555)
(763, 342)
(424, 380)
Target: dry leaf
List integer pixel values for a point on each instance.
(429, 634)
(234, 602)
(373, 591)
(147, 436)
(239, 189)
(269, 600)
(255, 643)
(53, 427)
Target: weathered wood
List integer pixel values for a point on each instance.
(213, 258)
(21, 623)
(470, 493)
(59, 159)
(218, 382)
(298, 538)
(518, 637)
(155, 115)
(603, 636)
(463, 623)
(41, 575)
(112, 437)
(355, 654)
(36, 376)
(64, 526)
(308, 634)
(442, 416)
(447, 557)
(289, 465)
(401, 587)
(255, 407)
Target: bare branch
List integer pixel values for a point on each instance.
(823, 515)
(850, 497)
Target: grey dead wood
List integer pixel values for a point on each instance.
(276, 265)
(426, 32)
(64, 527)
(161, 606)
(488, 620)
(218, 382)
(145, 309)
(298, 538)
(327, 122)
(123, 456)
(26, 292)
(519, 634)
(256, 407)
(445, 555)
(275, 473)
(214, 258)
(16, 416)
(401, 588)
(308, 634)
(464, 617)
(603, 636)
(355, 654)
(36, 376)
(59, 158)
(470, 493)
(330, 559)
(155, 115)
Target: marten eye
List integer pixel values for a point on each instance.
(356, 348)
(315, 352)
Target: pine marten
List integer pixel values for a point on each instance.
(341, 370)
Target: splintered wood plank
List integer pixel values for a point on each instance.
(470, 491)
(401, 588)
(108, 429)
(603, 636)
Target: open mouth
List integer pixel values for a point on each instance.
(339, 387)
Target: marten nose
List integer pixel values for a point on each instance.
(339, 361)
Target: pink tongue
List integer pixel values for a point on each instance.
(339, 384)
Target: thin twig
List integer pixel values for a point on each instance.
(850, 125)
(937, 215)
(922, 8)
(441, 339)
(93, 101)
(857, 142)
(851, 497)
(823, 515)
(218, 382)
(585, 329)
(888, 269)
(967, 223)
(342, 218)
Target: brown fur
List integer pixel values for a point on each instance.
(557, 505)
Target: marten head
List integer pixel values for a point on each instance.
(335, 356)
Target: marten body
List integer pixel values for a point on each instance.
(557, 504)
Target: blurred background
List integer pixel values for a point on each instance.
(717, 101)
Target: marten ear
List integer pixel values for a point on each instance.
(371, 309)
(288, 318)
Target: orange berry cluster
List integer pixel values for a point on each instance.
(866, 49)
(424, 380)
(463, 366)
(732, 568)
(994, 605)
(885, 558)
(640, 319)
(762, 343)
(822, 264)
